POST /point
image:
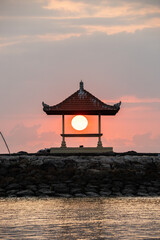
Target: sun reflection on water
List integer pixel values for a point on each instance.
(85, 218)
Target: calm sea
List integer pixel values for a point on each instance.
(91, 218)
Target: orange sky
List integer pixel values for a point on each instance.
(135, 127)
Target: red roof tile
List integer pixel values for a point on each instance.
(81, 102)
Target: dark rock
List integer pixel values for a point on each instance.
(73, 185)
(131, 153)
(2, 192)
(128, 191)
(94, 172)
(152, 189)
(22, 153)
(142, 188)
(90, 189)
(43, 185)
(13, 186)
(115, 189)
(63, 195)
(61, 188)
(75, 191)
(116, 194)
(152, 194)
(25, 193)
(46, 192)
(7, 180)
(92, 194)
(106, 187)
(32, 187)
(142, 194)
(47, 175)
(105, 194)
(43, 151)
(156, 184)
(11, 192)
(57, 163)
(117, 184)
(3, 171)
(80, 195)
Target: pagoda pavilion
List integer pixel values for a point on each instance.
(82, 102)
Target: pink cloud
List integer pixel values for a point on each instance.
(134, 99)
(102, 9)
(139, 142)
(27, 138)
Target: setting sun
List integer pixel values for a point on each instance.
(79, 122)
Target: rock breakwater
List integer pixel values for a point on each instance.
(79, 176)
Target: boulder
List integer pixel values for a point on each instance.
(75, 191)
(62, 195)
(80, 195)
(32, 187)
(2, 192)
(105, 193)
(92, 194)
(43, 185)
(13, 186)
(25, 193)
(47, 192)
(60, 188)
(11, 193)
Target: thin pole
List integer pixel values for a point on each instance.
(99, 129)
(63, 130)
(5, 142)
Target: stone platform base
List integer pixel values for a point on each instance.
(73, 150)
(79, 176)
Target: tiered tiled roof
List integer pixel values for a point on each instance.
(81, 102)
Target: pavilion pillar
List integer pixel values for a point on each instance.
(63, 144)
(99, 131)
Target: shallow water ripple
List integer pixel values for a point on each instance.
(80, 218)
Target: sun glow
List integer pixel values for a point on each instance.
(79, 122)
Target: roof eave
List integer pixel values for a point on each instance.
(81, 112)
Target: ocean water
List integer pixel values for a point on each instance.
(80, 218)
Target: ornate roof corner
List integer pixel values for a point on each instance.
(45, 106)
(117, 105)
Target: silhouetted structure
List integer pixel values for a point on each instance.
(81, 103)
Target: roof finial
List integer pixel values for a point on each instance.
(81, 85)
